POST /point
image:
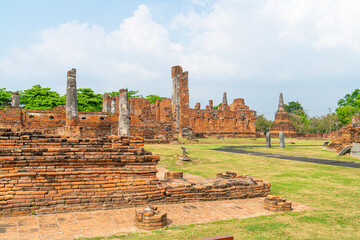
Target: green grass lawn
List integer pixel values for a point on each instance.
(334, 192)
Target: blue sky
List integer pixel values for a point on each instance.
(252, 49)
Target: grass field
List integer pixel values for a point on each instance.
(334, 192)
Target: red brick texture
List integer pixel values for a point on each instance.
(48, 173)
(283, 123)
(151, 121)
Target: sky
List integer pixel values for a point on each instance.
(252, 49)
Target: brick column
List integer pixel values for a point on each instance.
(124, 112)
(113, 105)
(211, 104)
(176, 73)
(15, 100)
(71, 99)
(105, 106)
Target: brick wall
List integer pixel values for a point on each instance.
(48, 173)
(156, 120)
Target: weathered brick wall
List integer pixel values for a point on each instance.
(236, 120)
(156, 120)
(48, 173)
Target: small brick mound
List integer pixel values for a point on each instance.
(274, 203)
(173, 175)
(150, 218)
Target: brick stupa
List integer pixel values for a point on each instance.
(282, 121)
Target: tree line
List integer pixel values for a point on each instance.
(44, 98)
(347, 107)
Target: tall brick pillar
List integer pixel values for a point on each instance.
(180, 101)
(15, 100)
(211, 104)
(113, 105)
(157, 110)
(105, 106)
(71, 99)
(124, 112)
(176, 73)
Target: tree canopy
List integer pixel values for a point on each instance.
(293, 107)
(5, 97)
(152, 98)
(131, 94)
(262, 124)
(88, 101)
(41, 98)
(348, 106)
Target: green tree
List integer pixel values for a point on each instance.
(131, 94)
(88, 101)
(324, 124)
(41, 98)
(217, 107)
(263, 124)
(292, 106)
(345, 113)
(5, 97)
(152, 98)
(348, 106)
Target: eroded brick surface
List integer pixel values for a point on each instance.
(49, 173)
(161, 120)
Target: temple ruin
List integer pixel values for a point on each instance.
(282, 122)
(161, 120)
(347, 135)
(64, 160)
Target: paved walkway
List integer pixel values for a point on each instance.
(289, 157)
(109, 222)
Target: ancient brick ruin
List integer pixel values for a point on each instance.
(62, 160)
(347, 135)
(49, 173)
(161, 120)
(282, 122)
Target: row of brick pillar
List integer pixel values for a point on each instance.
(211, 104)
(72, 108)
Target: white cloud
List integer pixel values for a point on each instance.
(139, 49)
(231, 45)
(327, 23)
